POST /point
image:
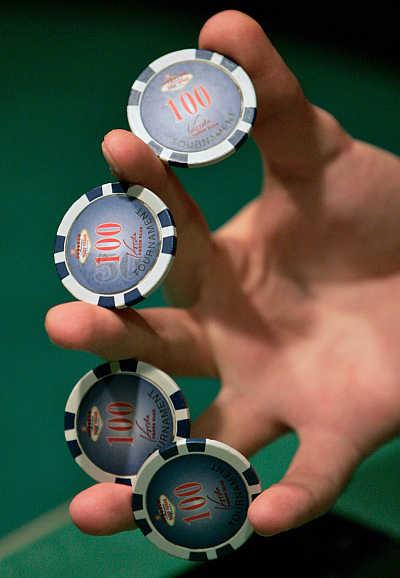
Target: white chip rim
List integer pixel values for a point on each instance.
(213, 154)
(158, 378)
(155, 462)
(155, 276)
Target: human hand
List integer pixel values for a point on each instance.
(293, 304)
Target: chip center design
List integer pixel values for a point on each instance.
(112, 244)
(191, 106)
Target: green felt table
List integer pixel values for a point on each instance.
(65, 78)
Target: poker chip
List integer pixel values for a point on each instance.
(120, 413)
(192, 107)
(191, 499)
(115, 245)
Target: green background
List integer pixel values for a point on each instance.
(65, 78)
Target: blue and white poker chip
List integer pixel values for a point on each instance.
(192, 107)
(191, 499)
(120, 413)
(115, 245)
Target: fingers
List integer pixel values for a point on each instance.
(169, 339)
(318, 473)
(103, 509)
(106, 508)
(133, 161)
(293, 136)
(320, 470)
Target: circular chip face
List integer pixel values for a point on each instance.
(119, 414)
(193, 107)
(115, 245)
(191, 499)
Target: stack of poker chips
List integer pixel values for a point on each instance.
(126, 421)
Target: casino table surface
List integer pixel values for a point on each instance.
(66, 75)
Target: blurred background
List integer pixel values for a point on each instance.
(65, 75)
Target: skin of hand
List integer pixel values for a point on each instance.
(293, 304)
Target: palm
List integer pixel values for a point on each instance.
(299, 310)
(292, 304)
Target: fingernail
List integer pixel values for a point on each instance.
(266, 534)
(110, 161)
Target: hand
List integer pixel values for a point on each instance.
(293, 304)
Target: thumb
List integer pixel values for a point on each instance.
(318, 473)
